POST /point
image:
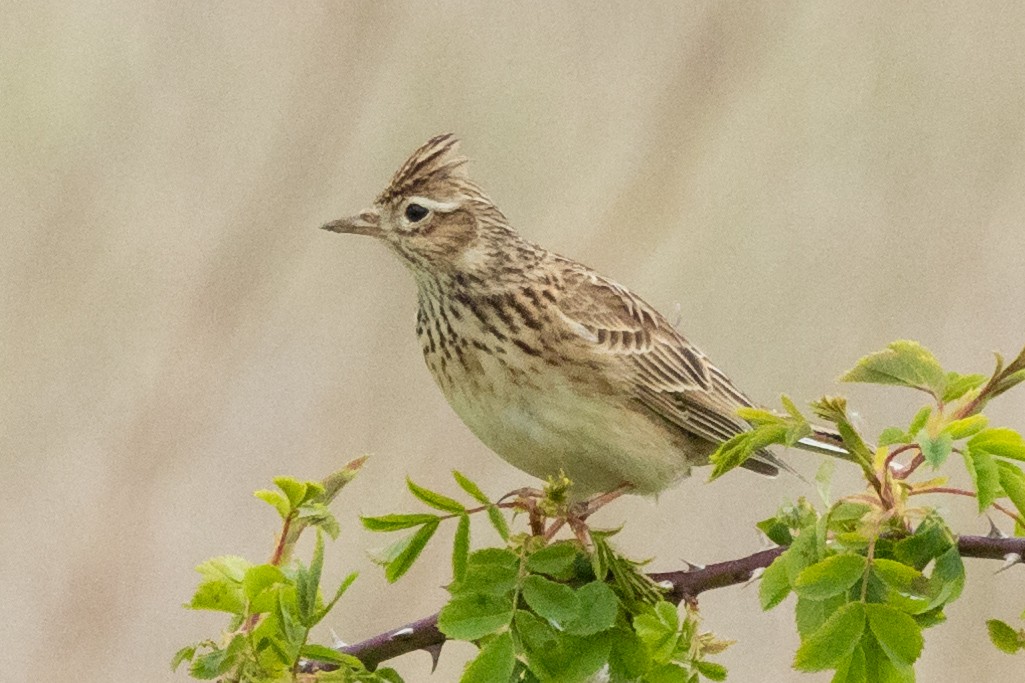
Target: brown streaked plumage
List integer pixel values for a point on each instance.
(550, 364)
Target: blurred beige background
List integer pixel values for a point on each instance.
(807, 181)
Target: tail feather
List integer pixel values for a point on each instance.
(824, 440)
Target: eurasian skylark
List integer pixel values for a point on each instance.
(552, 365)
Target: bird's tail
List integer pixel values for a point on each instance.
(825, 440)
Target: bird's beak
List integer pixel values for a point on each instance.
(367, 223)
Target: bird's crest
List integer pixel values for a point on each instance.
(431, 166)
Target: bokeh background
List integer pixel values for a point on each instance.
(803, 182)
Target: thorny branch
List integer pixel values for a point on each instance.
(687, 584)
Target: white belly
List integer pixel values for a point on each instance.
(550, 427)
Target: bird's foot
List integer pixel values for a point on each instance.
(594, 504)
(529, 500)
(575, 515)
(550, 505)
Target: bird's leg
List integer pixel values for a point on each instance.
(525, 492)
(533, 502)
(594, 504)
(577, 514)
(526, 499)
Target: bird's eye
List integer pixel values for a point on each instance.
(416, 213)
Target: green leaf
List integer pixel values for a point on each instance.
(407, 555)
(791, 407)
(467, 485)
(294, 490)
(259, 578)
(758, 416)
(534, 632)
(490, 571)
(733, 452)
(230, 567)
(434, 499)
(999, 441)
(344, 586)
(556, 602)
(555, 559)
(213, 664)
(494, 663)
(659, 629)
(958, 385)
(834, 409)
(776, 530)
(397, 522)
(387, 675)
(471, 617)
(1006, 378)
(498, 521)
(919, 421)
(1012, 479)
(985, 475)
(314, 492)
(219, 595)
(899, 576)
(318, 515)
(711, 670)
(810, 615)
(935, 449)
(834, 642)
(461, 548)
(669, 672)
(307, 584)
(1004, 637)
(879, 668)
(276, 500)
(571, 660)
(929, 541)
(628, 659)
(1009, 381)
(852, 669)
(321, 653)
(844, 513)
(333, 483)
(965, 427)
(948, 577)
(287, 614)
(832, 576)
(889, 437)
(903, 363)
(183, 655)
(598, 609)
(803, 552)
(774, 586)
(898, 635)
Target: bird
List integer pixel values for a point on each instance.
(556, 368)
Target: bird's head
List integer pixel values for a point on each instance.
(431, 213)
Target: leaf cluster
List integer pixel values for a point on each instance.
(864, 595)
(550, 611)
(273, 606)
(869, 573)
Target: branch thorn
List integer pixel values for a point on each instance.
(337, 642)
(434, 651)
(1010, 559)
(994, 530)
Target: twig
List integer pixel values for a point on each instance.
(424, 634)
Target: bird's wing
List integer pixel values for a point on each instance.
(661, 369)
